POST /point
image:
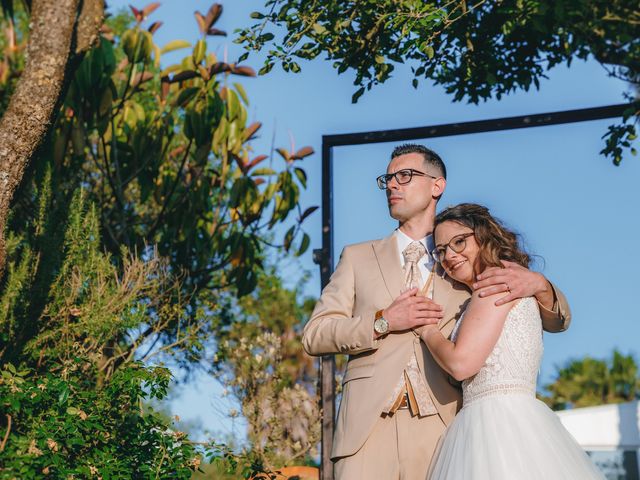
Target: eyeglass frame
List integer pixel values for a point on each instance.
(443, 248)
(386, 177)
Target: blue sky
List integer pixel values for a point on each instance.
(573, 207)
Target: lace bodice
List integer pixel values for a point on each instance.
(513, 365)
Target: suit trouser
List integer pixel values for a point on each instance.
(400, 447)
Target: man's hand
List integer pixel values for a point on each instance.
(410, 311)
(517, 282)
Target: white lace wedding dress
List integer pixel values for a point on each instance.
(502, 431)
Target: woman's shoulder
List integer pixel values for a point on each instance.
(488, 303)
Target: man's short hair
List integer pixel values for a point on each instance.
(431, 158)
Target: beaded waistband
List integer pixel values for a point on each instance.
(497, 390)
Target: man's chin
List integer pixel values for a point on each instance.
(395, 214)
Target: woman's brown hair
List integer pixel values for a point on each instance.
(495, 241)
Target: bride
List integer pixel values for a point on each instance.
(502, 432)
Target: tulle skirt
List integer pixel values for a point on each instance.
(510, 437)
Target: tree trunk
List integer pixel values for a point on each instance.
(57, 33)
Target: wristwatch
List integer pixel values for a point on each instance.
(380, 324)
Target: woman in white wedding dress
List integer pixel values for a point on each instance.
(502, 431)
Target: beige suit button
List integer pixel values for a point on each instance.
(357, 345)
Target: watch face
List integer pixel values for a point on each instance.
(381, 325)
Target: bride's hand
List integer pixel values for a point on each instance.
(426, 330)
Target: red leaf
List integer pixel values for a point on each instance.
(241, 162)
(258, 181)
(303, 152)
(166, 85)
(243, 71)
(177, 151)
(250, 131)
(141, 78)
(154, 27)
(219, 67)
(136, 13)
(184, 75)
(123, 64)
(201, 22)
(256, 161)
(213, 14)
(146, 11)
(215, 32)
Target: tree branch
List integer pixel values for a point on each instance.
(35, 101)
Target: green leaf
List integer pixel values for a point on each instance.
(263, 171)
(304, 245)
(243, 94)
(266, 37)
(308, 212)
(428, 50)
(64, 395)
(357, 95)
(233, 105)
(302, 176)
(199, 51)
(288, 238)
(186, 96)
(319, 29)
(175, 45)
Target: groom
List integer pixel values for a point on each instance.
(396, 400)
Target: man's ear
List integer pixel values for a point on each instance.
(439, 184)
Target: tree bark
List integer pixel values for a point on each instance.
(89, 23)
(57, 34)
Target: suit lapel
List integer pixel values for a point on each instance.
(386, 252)
(452, 296)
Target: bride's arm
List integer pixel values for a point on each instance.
(478, 334)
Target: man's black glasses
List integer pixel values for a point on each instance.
(403, 177)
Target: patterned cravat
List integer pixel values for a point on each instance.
(412, 254)
(412, 381)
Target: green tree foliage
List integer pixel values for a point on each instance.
(588, 382)
(164, 152)
(476, 50)
(144, 219)
(62, 416)
(261, 363)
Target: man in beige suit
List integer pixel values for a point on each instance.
(396, 401)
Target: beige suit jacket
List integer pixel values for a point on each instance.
(367, 279)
